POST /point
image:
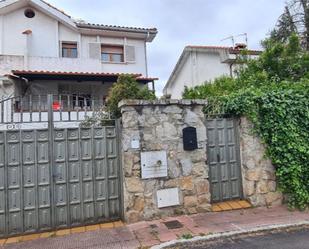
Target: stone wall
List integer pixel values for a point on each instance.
(259, 179)
(158, 125)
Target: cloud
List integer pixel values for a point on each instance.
(181, 22)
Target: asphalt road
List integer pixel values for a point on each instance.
(284, 240)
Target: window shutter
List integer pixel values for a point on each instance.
(95, 51)
(130, 53)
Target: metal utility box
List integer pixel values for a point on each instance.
(168, 197)
(189, 138)
(154, 164)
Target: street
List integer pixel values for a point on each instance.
(284, 240)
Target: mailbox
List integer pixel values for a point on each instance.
(189, 138)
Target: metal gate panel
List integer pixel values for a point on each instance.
(224, 159)
(112, 172)
(43, 180)
(63, 181)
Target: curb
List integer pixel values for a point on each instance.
(231, 234)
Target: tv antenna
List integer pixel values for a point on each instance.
(230, 38)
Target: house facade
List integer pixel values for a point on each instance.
(45, 51)
(198, 64)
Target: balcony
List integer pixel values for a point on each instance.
(11, 62)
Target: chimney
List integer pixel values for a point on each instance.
(240, 46)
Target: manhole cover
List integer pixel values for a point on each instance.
(174, 224)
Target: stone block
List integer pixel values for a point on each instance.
(249, 187)
(203, 199)
(262, 187)
(133, 216)
(174, 109)
(257, 200)
(204, 208)
(134, 185)
(272, 186)
(190, 201)
(186, 166)
(253, 174)
(192, 210)
(202, 187)
(268, 175)
(166, 131)
(186, 183)
(174, 170)
(139, 204)
(172, 183)
(273, 198)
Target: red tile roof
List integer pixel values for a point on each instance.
(102, 26)
(61, 11)
(147, 78)
(25, 73)
(114, 27)
(18, 72)
(231, 49)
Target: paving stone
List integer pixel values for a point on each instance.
(13, 240)
(78, 230)
(93, 228)
(118, 224)
(63, 232)
(2, 241)
(107, 225)
(47, 234)
(30, 237)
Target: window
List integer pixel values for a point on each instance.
(69, 50)
(110, 53)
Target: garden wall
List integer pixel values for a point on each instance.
(151, 126)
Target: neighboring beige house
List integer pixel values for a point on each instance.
(198, 64)
(45, 51)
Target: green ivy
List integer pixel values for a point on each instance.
(280, 114)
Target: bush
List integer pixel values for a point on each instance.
(126, 88)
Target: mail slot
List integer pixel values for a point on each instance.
(189, 138)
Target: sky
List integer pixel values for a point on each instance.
(181, 23)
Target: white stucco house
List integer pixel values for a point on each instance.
(198, 64)
(45, 51)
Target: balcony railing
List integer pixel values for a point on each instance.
(38, 108)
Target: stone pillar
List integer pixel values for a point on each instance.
(259, 177)
(158, 126)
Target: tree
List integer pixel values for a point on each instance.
(295, 19)
(126, 87)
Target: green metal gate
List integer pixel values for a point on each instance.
(223, 158)
(58, 178)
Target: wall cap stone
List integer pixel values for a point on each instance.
(165, 102)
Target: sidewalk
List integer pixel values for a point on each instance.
(146, 234)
